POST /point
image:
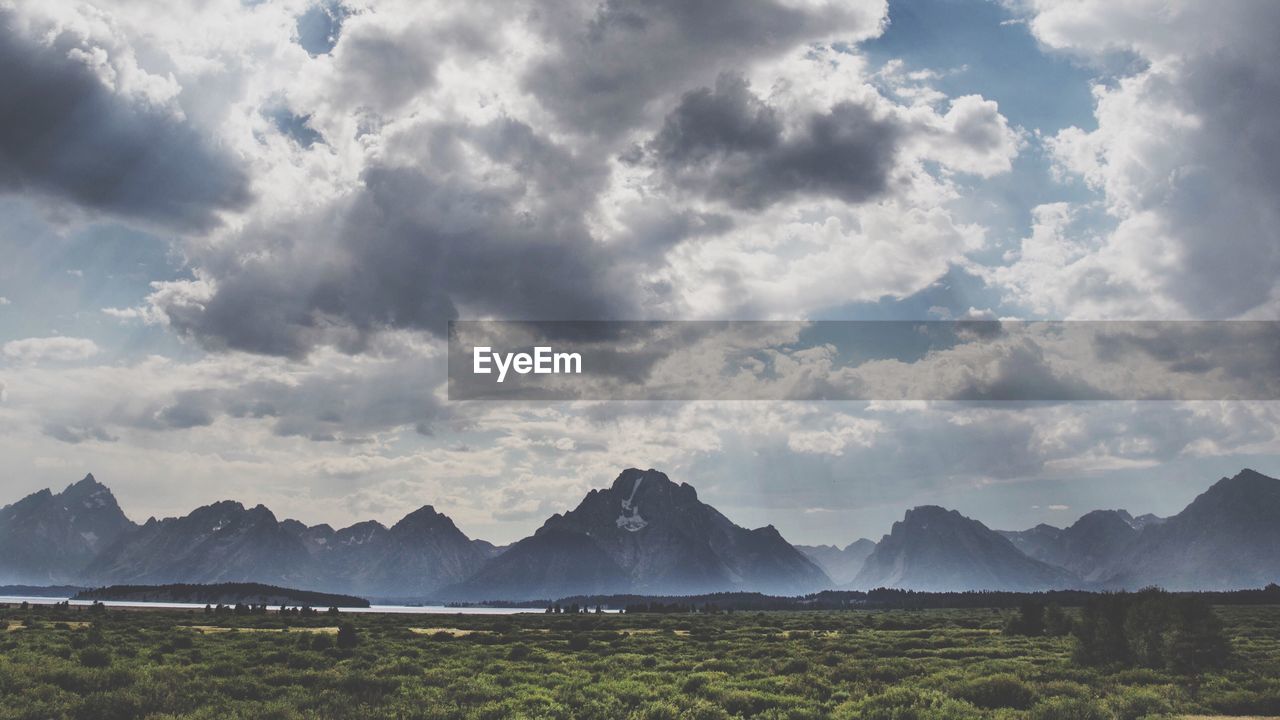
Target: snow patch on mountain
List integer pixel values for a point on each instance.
(630, 519)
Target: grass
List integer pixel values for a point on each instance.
(895, 665)
(202, 629)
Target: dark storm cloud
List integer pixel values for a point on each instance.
(416, 243)
(613, 62)
(1228, 194)
(1246, 351)
(727, 143)
(709, 123)
(66, 135)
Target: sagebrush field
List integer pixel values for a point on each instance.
(81, 663)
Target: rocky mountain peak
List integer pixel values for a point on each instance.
(1245, 482)
(933, 517)
(88, 483)
(641, 483)
(1098, 520)
(424, 519)
(50, 537)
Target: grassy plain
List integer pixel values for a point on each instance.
(897, 665)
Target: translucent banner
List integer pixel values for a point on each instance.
(864, 360)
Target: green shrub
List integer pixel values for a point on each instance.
(518, 651)
(1246, 702)
(1069, 709)
(95, 657)
(997, 691)
(794, 666)
(904, 703)
(1134, 703)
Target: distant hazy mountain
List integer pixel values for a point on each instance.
(47, 538)
(1148, 519)
(644, 534)
(222, 542)
(1228, 537)
(841, 565)
(938, 550)
(488, 549)
(1038, 542)
(411, 559)
(1087, 547)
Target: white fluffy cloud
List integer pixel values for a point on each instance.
(441, 159)
(56, 349)
(1180, 157)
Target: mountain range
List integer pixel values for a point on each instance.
(938, 550)
(644, 534)
(841, 564)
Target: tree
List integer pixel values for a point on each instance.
(347, 636)
(1029, 621)
(1100, 638)
(1056, 621)
(1197, 642)
(1152, 629)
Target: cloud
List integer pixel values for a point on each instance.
(730, 145)
(386, 167)
(612, 61)
(79, 140)
(1185, 172)
(49, 349)
(426, 163)
(973, 137)
(76, 434)
(334, 398)
(409, 249)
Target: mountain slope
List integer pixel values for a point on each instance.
(222, 542)
(411, 559)
(80, 535)
(1086, 548)
(1038, 542)
(1228, 537)
(936, 549)
(841, 564)
(644, 534)
(48, 538)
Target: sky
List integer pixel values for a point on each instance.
(233, 233)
